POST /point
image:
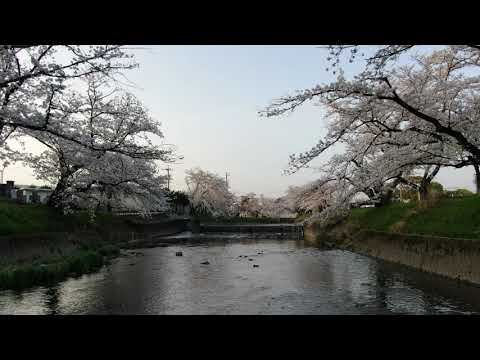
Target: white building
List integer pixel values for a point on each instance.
(25, 195)
(32, 195)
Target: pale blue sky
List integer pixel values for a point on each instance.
(207, 98)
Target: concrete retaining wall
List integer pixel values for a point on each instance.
(453, 258)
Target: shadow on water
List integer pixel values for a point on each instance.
(436, 290)
(52, 300)
(381, 290)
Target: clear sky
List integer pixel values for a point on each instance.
(207, 99)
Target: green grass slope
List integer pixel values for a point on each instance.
(35, 218)
(459, 217)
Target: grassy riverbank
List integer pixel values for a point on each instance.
(37, 218)
(16, 219)
(456, 218)
(48, 271)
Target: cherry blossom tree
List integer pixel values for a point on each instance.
(60, 95)
(377, 60)
(209, 193)
(260, 206)
(32, 77)
(274, 207)
(432, 99)
(312, 197)
(394, 121)
(93, 181)
(249, 205)
(116, 122)
(121, 183)
(446, 68)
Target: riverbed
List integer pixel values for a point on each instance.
(241, 275)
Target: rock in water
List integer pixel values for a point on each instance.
(179, 253)
(205, 263)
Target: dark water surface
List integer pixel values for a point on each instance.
(291, 278)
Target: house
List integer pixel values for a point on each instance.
(25, 195)
(40, 196)
(28, 195)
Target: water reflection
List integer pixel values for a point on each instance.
(52, 300)
(290, 277)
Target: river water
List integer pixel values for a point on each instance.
(292, 277)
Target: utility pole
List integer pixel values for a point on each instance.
(1, 173)
(168, 177)
(226, 178)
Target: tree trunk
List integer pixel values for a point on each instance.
(386, 197)
(55, 199)
(109, 198)
(476, 166)
(386, 193)
(423, 191)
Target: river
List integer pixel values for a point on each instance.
(291, 277)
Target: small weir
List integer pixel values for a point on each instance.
(283, 229)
